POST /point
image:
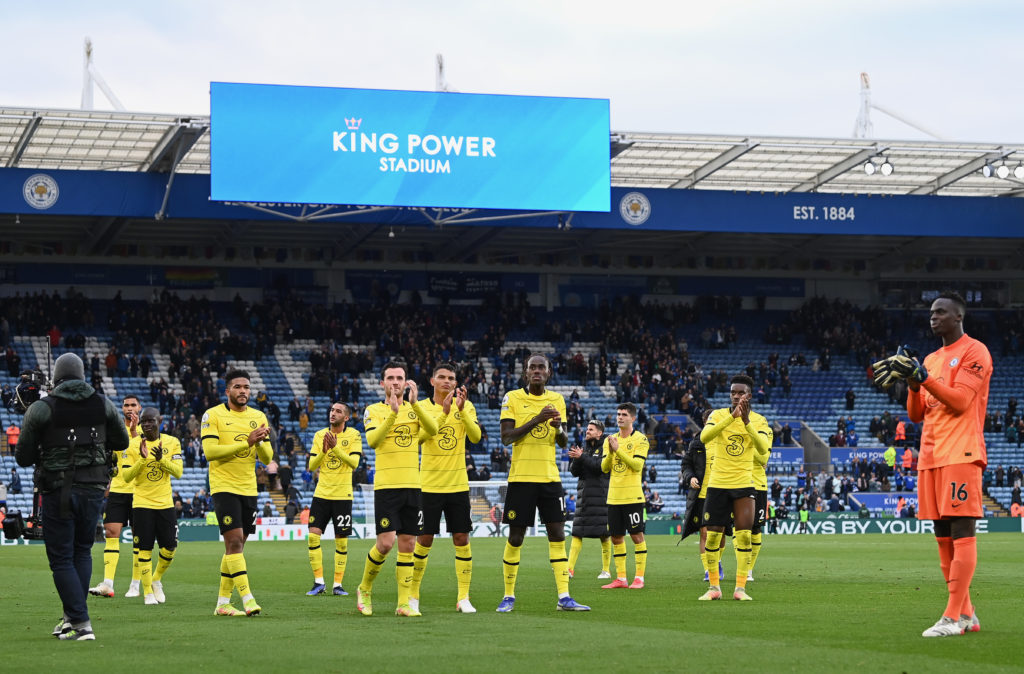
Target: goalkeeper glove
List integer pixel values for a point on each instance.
(906, 365)
(884, 374)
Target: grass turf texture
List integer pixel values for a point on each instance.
(822, 603)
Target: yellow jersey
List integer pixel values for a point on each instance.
(152, 478)
(443, 465)
(733, 449)
(237, 473)
(626, 484)
(397, 464)
(335, 475)
(117, 483)
(533, 455)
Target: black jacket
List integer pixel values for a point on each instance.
(694, 465)
(591, 519)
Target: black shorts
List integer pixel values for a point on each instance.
(118, 509)
(625, 517)
(235, 511)
(760, 511)
(398, 510)
(324, 512)
(718, 505)
(149, 525)
(523, 499)
(454, 505)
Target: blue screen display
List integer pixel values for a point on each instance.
(273, 143)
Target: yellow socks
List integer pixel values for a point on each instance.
(741, 540)
(560, 565)
(226, 583)
(136, 573)
(755, 549)
(239, 575)
(403, 574)
(163, 561)
(146, 571)
(373, 563)
(620, 559)
(640, 556)
(419, 567)
(510, 563)
(316, 557)
(340, 559)
(463, 569)
(704, 561)
(111, 553)
(713, 554)
(606, 554)
(574, 551)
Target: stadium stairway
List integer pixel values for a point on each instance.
(279, 500)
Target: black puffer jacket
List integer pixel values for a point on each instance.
(591, 519)
(694, 465)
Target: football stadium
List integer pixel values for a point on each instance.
(545, 292)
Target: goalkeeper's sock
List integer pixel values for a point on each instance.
(136, 572)
(374, 561)
(226, 583)
(755, 549)
(713, 554)
(606, 553)
(146, 571)
(111, 553)
(961, 571)
(239, 575)
(945, 563)
(640, 556)
(574, 551)
(560, 566)
(316, 558)
(420, 556)
(164, 560)
(340, 559)
(620, 559)
(741, 543)
(463, 569)
(510, 564)
(403, 574)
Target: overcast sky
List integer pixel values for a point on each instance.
(741, 67)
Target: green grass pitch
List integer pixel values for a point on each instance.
(822, 604)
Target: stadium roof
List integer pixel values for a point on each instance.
(122, 141)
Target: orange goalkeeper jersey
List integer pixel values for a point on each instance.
(961, 370)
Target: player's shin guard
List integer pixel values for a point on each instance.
(316, 556)
(741, 541)
(640, 556)
(374, 560)
(755, 548)
(510, 564)
(111, 553)
(560, 566)
(403, 574)
(606, 554)
(340, 559)
(574, 551)
(146, 571)
(226, 583)
(713, 554)
(961, 571)
(420, 557)
(620, 559)
(239, 575)
(945, 544)
(463, 569)
(136, 572)
(164, 559)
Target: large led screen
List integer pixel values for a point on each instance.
(318, 145)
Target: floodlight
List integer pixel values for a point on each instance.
(1018, 172)
(886, 167)
(870, 168)
(1003, 171)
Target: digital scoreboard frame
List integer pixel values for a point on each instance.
(320, 145)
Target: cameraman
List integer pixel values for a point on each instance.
(69, 437)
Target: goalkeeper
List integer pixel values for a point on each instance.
(949, 393)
